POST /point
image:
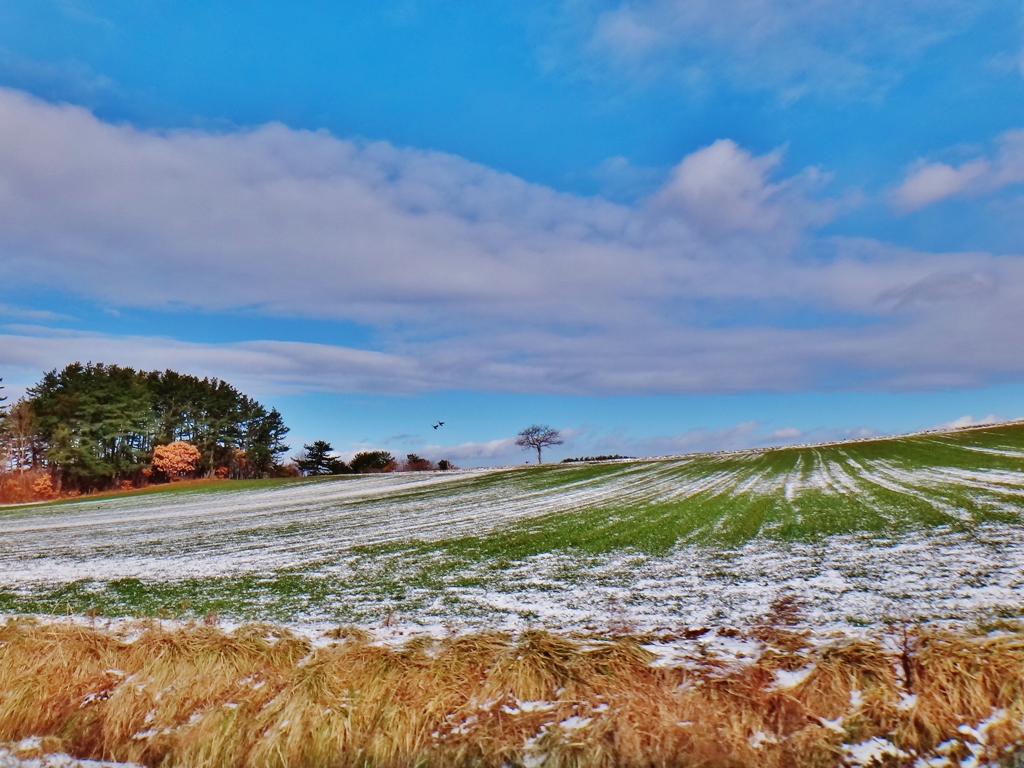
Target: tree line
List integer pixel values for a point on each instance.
(318, 458)
(93, 426)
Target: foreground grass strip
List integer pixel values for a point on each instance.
(261, 696)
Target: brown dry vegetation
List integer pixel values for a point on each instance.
(34, 486)
(26, 486)
(261, 696)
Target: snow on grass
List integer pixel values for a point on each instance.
(841, 581)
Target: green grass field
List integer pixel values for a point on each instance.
(925, 526)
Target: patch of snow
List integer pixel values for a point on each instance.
(784, 679)
(872, 751)
(759, 738)
(535, 706)
(574, 723)
(834, 725)
(9, 759)
(907, 701)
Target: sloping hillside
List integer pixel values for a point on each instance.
(926, 525)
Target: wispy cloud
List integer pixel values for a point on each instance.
(854, 48)
(929, 182)
(38, 315)
(618, 178)
(67, 78)
(258, 366)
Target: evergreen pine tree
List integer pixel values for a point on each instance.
(316, 459)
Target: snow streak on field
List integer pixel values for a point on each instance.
(926, 526)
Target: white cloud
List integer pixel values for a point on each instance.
(741, 435)
(969, 421)
(503, 448)
(929, 182)
(844, 46)
(477, 279)
(723, 189)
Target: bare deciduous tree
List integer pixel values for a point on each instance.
(21, 437)
(539, 436)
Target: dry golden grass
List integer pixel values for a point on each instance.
(260, 696)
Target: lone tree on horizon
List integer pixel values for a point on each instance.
(539, 436)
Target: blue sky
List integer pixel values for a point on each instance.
(658, 225)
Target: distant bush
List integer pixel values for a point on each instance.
(445, 465)
(414, 463)
(373, 461)
(595, 458)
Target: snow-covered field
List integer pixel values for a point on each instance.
(921, 527)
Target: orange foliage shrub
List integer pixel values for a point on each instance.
(176, 459)
(126, 485)
(222, 473)
(11, 491)
(43, 487)
(27, 485)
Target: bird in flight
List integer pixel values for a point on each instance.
(439, 424)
